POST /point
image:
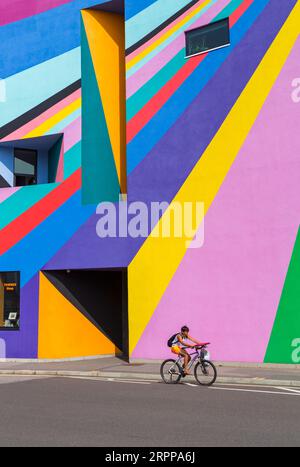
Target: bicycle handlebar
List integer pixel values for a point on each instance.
(198, 346)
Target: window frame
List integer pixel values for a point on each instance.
(204, 27)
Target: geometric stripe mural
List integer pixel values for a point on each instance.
(101, 145)
(109, 82)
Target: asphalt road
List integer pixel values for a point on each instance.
(80, 412)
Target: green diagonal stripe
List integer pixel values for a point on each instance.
(286, 331)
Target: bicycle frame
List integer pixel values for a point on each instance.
(197, 354)
(203, 366)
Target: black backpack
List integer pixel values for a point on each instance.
(170, 341)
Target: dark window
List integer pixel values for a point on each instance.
(25, 167)
(9, 300)
(210, 37)
(3, 182)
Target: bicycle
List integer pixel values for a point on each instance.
(205, 372)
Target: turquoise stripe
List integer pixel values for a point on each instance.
(100, 179)
(162, 46)
(166, 117)
(72, 160)
(138, 100)
(42, 243)
(149, 19)
(28, 196)
(29, 88)
(21, 201)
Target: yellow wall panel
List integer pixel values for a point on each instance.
(63, 331)
(106, 37)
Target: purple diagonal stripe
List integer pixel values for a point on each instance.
(24, 343)
(161, 174)
(176, 154)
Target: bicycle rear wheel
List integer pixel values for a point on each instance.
(205, 373)
(170, 371)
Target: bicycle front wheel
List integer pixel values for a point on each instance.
(205, 373)
(170, 372)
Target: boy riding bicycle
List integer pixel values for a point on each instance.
(178, 344)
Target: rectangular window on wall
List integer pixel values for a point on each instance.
(207, 38)
(9, 300)
(34, 161)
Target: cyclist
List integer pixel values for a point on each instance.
(179, 342)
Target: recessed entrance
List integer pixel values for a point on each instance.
(101, 296)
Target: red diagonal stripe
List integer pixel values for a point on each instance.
(140, 120)
(26, 222)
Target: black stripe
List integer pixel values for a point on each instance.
(38, 110)
(160, 27)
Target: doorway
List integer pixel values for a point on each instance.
(101, 296)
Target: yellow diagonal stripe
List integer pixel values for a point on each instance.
(54, 120)
(165, 36)
(154, 266)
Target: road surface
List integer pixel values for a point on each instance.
(84, 412)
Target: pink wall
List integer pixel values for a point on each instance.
(228, 291)
(15, 10)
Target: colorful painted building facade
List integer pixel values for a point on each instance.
(98, 100)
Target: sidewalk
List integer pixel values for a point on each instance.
(113, 367)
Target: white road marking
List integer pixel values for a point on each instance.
(255, 391)
(110, 380)
(130, 382)
(238, 385)
(289, 389)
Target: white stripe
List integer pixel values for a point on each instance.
(288, 389)
(107, 380)
(256, 391)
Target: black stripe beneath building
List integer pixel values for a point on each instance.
(38, 110)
